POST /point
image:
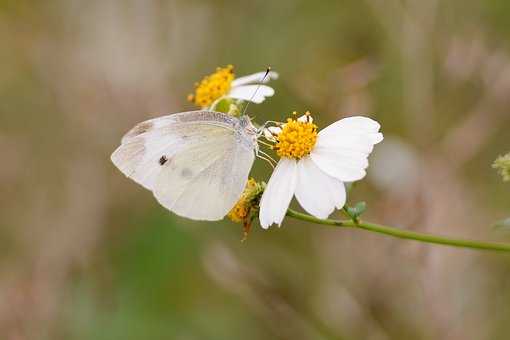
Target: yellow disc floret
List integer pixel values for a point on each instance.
(213, 86)
(297, 138)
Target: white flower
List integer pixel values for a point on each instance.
(244, 87)
(314, 166)
(223, 83)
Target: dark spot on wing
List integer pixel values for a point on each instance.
(163, 160)
(186, 173)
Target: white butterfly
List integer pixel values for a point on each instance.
(196, 163)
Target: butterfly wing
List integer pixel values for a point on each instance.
(205, 180)
(196, 163)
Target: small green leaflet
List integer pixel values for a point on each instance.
(358, 209)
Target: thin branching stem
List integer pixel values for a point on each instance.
(405, 234)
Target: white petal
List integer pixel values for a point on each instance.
(347, 140)
(342, 148)
(268, 135)
(275, 130)
(345, 169)
(278, 193)
(254, 78)
(355, 125)
(246, 92)
(357, 122)
(305, 119)
(317, 192)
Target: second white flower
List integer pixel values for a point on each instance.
(314, 166)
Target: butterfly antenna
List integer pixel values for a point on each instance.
(255, 92)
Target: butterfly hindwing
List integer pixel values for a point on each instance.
(205, 180)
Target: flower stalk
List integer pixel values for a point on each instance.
(404, 234)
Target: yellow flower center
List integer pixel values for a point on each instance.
(296, 139)
(213, 86)
(241, 210)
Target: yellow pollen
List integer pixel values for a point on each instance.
(213, 86)
(297, 138)
(242, 208)
(238, 213)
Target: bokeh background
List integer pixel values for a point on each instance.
(87, 254)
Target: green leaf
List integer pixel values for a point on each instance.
(358, 209)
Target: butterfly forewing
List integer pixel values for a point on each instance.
(196, 163)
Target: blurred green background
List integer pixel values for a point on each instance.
(87, 254)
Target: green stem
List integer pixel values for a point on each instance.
(400, 233)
